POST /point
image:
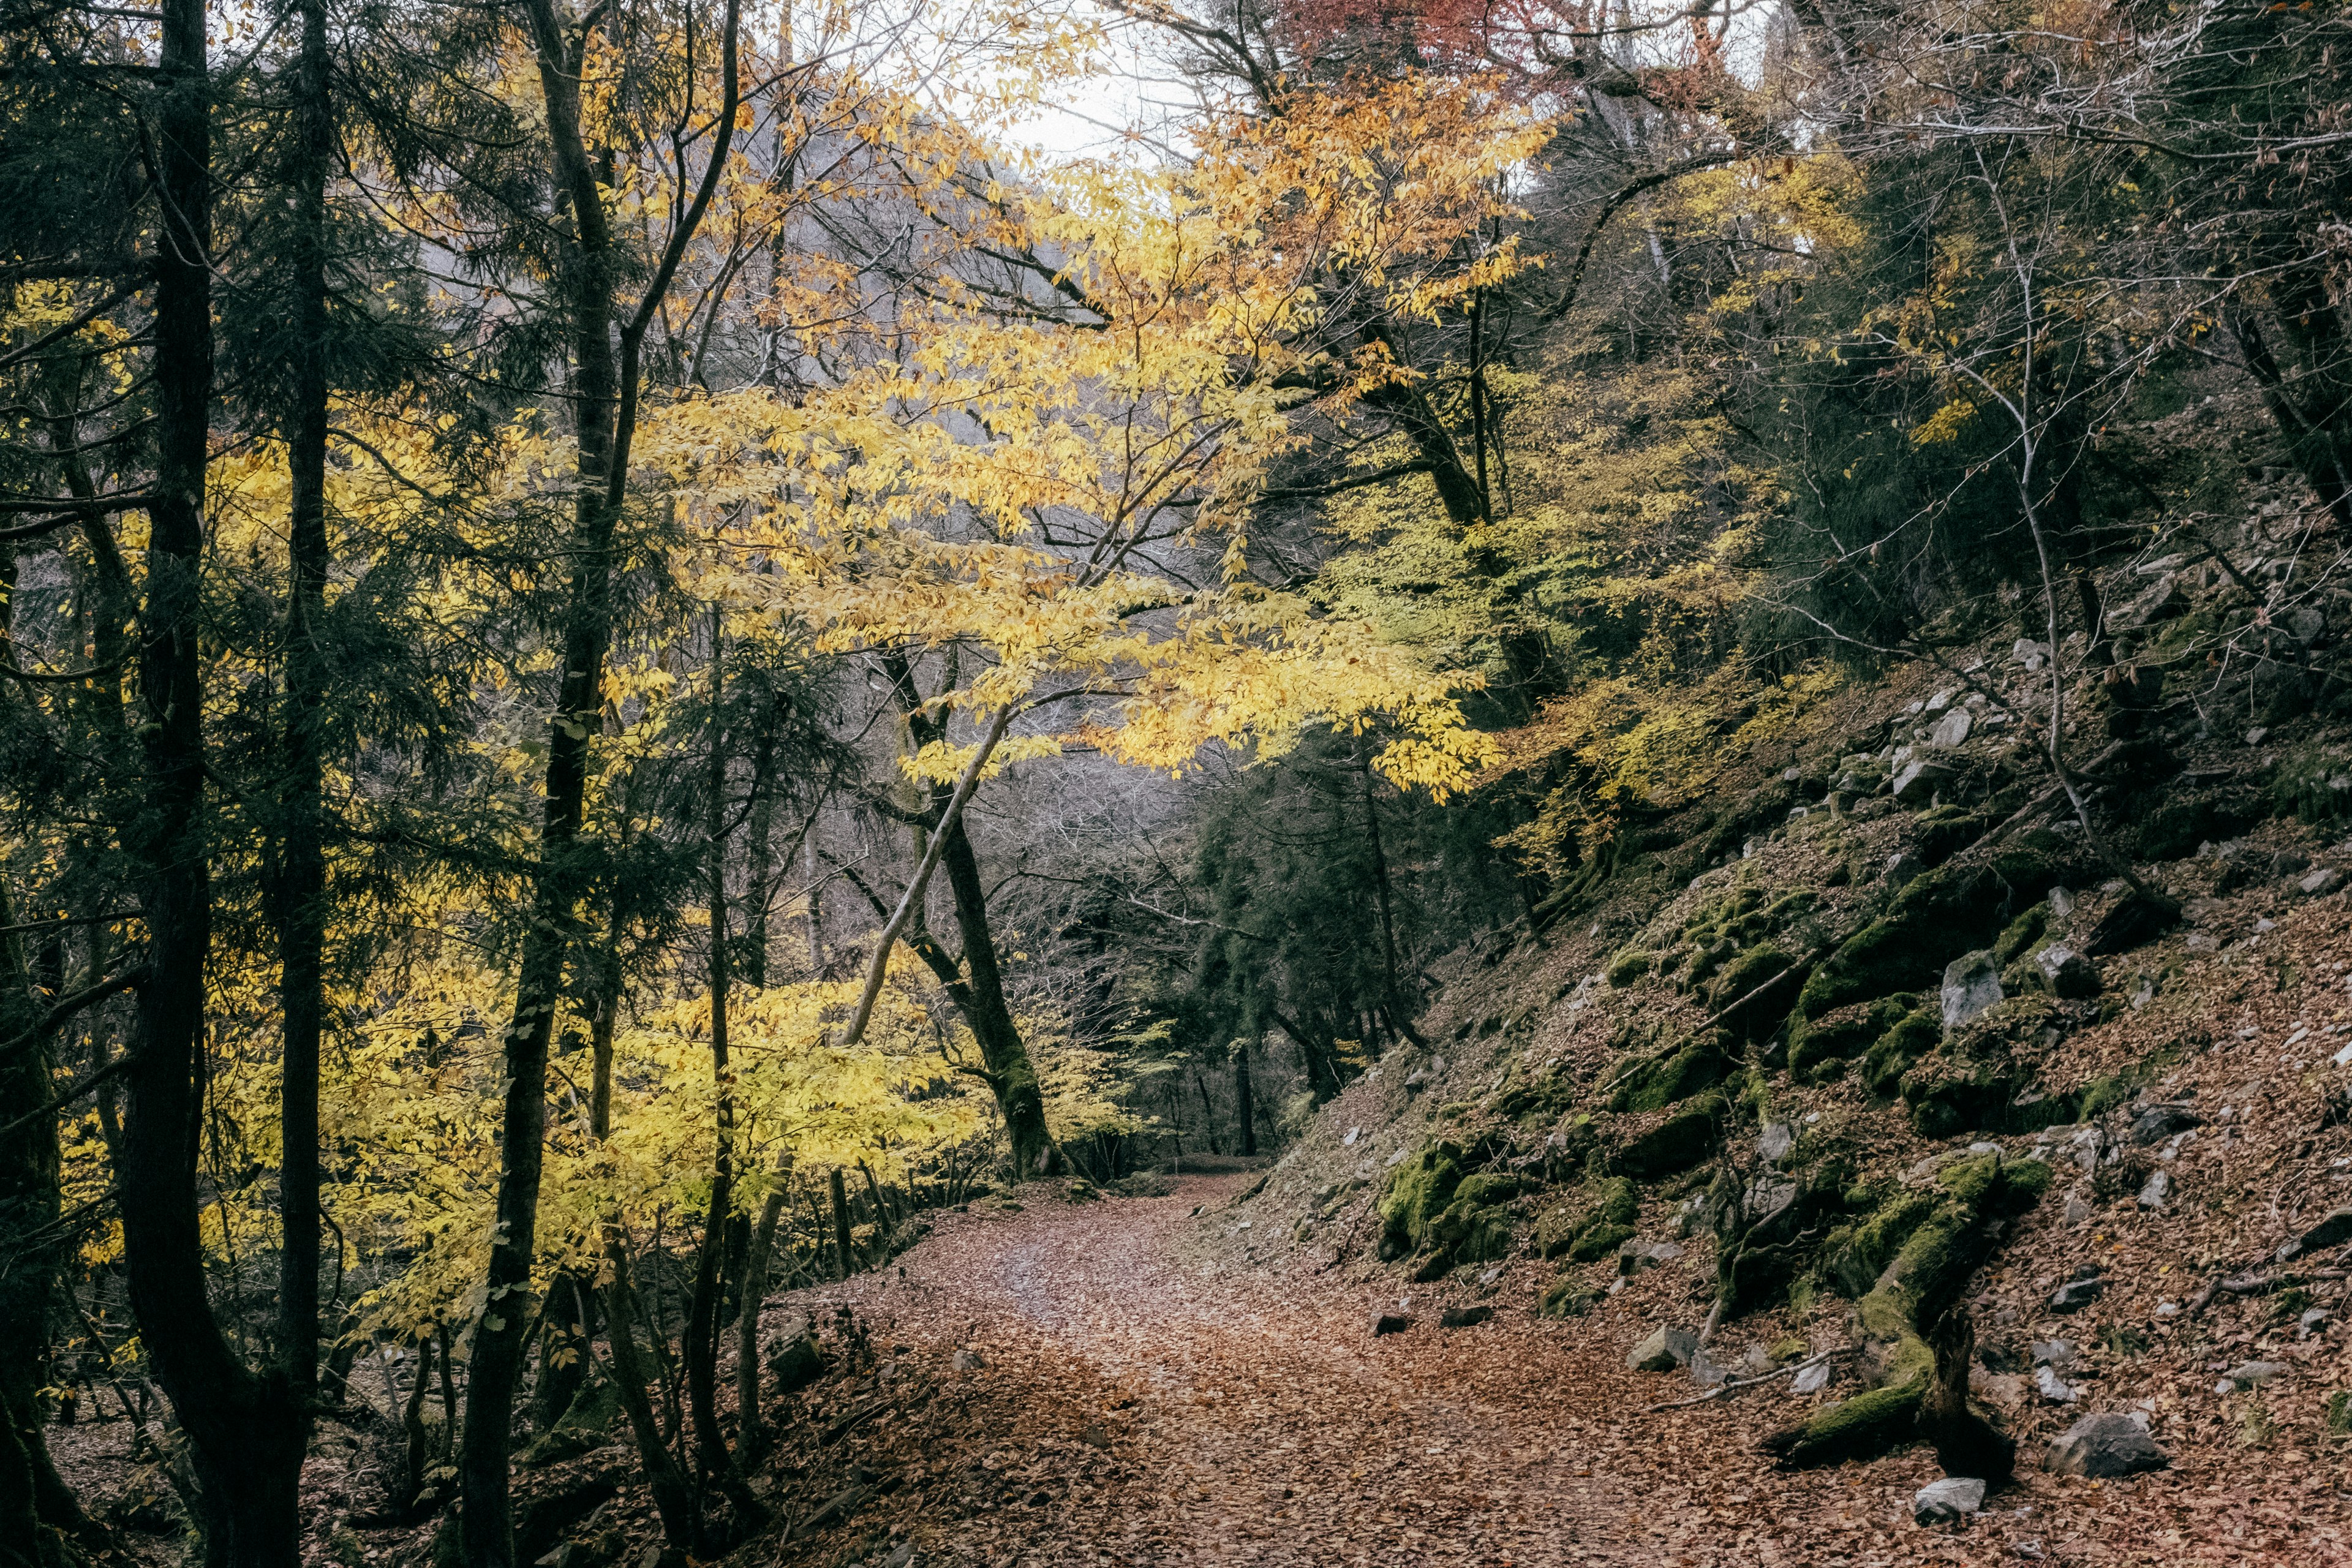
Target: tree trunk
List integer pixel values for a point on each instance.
(750, 1432)
(844, 1253)
(246, 1435)
(702, 1343)
(562, 1352)
(301, 912)
(1244, 1106)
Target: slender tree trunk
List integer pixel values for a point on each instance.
(1245, 1107)
(750, 1432)
(701, 1344)
(605, 403)
(498, 1357)
(673, 1501)
(246, 1435)
(843, 1251)
(302, 873)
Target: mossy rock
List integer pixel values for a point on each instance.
(1892, 1055)
(1417, 1191)
(1599, 1242)
(1485, 1187)
(1605, 1208)
(1946, 1236)
(1682, 1141)
(1468, 1232)
(1544, 1096)
(1943, 831)
(1455, 1110)
(2020, 934)
(1934, 919)
(1818, 1048)
(584, 1425)
(1564, 1298)
(1765, 966)
(1699, 1064)
(1947, 1098)
(2170, 825)
(1856, 1254)
(1629, 966)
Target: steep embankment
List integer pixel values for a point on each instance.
(1878, 1051)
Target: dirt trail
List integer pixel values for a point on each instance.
(1235, 1416)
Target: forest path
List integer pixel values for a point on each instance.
(1143, 1402)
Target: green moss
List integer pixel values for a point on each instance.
(1629, 966)
(1934, 919)
(1857, 1255)
(1454, 1111)
(1417, 1191)
(1857, 1428)
(1599, 1219)
(1699, 1064)
(1564, 1298)
(1892, 1054)
(1764, 970)
(1942, 831)
(2021, 933)
(1468, 1232)
(1488, 1187)
(1599, 1242)
(1677, 1143)
(1818, 1049)
(1783, 1351)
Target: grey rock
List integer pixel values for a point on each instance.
(2161, 600)
(1759, 1360)
(1917, 773)
(2028, 651)
(2075, 1294)
(2156, 1191)
(1706, 1371)
(1954, 729)
(2067, 973)
(2054, 1388)
(1773, 1144)
(1941, 699)
(1667, 1348)
(2158, 1123)
(969, 1361)
(1971, 985)
(2325, 879)
(1386, 1323)
(2105, 1446)
(1812, 1379)
(2078, 1208)
(1464, 1317)
(2316, 1319)
(2304, 623)
(2254, 1374)
(2062, 902)
(2059, 1354)
(1943, 1502)
(1636, 1255)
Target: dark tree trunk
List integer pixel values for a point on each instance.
(750, 1433)
(562, 1352)
(1244, 1106)
(302, 873)
(843, 1252)
(246, 1434)
(977, 987)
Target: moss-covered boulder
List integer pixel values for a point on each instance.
(1935, 919)
(1969, 1082)
(2020, 934)
(1891, 1055)
(1604, 1208)
(1418, 1192)
(1677, 1143)
(1629, 966)
(1943, 1243)
(1565, 1297)
(1818, 1048)
(1942, 831)
(1701, 1064)
(1753, 991)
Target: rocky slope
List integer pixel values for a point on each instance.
(1877, 1078)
